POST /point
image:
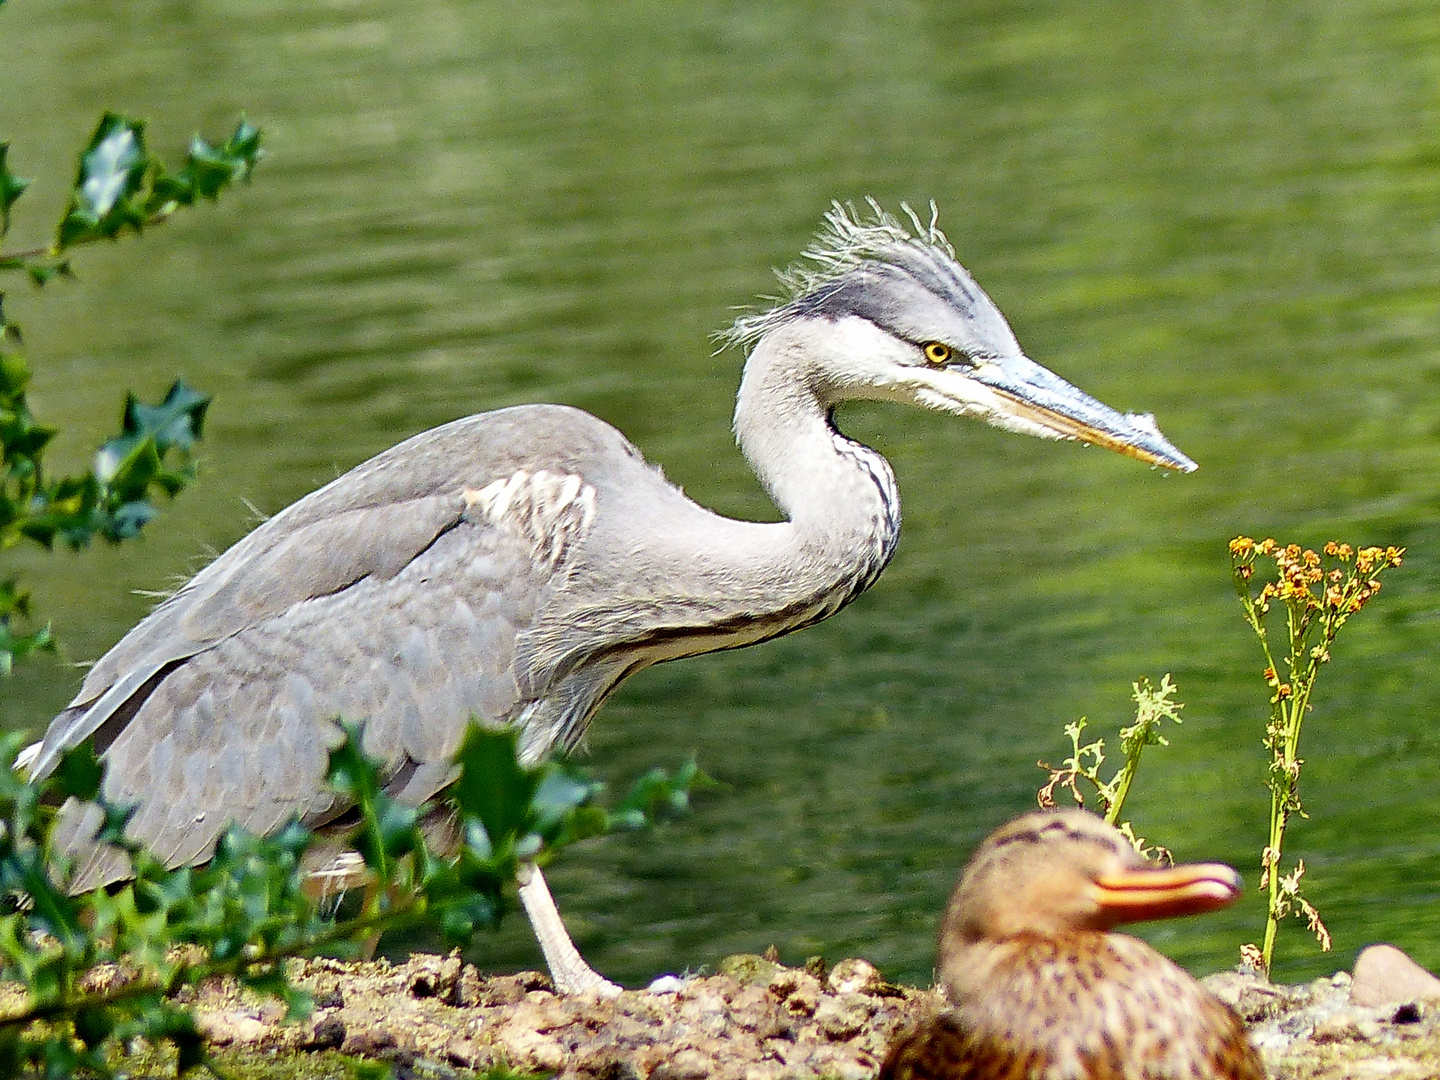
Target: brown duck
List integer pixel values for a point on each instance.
(1042, 990)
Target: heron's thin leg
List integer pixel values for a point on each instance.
(567, 967)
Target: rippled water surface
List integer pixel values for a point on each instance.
(1226, 215)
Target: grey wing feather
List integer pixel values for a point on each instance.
(380, 597)
(318, 559)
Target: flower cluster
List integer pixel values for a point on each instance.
(1318, 592)
(1333, 586)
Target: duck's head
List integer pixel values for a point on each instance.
(1062, 871)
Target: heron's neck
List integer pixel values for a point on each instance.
(839, 496)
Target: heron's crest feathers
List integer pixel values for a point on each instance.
(848, 238)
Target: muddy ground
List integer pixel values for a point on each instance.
(435, 1016)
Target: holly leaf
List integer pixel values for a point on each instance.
(208, 170)
(15, 647)
(11, 188)
(79, 773)
(176, 422)
(111, 174)
(494, 790)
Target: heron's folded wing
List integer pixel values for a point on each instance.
(320, 558)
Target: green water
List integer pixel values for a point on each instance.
(1225, 214)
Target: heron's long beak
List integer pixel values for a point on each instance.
(1031, 393)
(1154, 893)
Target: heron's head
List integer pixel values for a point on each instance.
(1054, 872)
(888, 314)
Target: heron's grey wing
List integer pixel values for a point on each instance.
(403, 614)
(240, 732)
(319, 558)
(366, 524)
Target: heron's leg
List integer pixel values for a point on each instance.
(567, 967)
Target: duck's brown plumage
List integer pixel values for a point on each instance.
(1040, 987)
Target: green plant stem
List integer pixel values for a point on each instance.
(160, 217)
(1122, 788)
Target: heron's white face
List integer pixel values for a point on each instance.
(947, 369)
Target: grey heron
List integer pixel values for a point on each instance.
(516, 565)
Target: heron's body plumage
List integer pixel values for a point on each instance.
(405, 594)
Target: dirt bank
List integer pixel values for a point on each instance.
(755, 1020)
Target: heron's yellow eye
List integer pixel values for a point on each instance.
(937, 352)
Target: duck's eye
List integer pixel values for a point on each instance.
(938, 353)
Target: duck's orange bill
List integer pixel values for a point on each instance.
(1152, 893)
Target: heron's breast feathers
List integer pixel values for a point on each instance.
(551, 511)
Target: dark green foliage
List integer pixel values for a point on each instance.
(11, 188)
(119, 186)
(247, 910)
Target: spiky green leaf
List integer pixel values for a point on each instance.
(111, 175)
(177, 421)
(11, 188)
(78, 773)
(493, 787)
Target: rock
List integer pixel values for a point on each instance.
(229, 1028)
(803, 1000)
(1386, 976)
(433, 976)
(1349, 1025)
(525, 1048)
(799, 990)
(617, 1069)
(843, 1016)
(1253, 996)
(329, 1034)
(748, 968)
(841, 1063)
(788, 1025)
(506, 989)
(854, 976)
(686, 1065)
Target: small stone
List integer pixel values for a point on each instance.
(617, 1069)
(1252, 996)
(528, 1049)
(843, 1016)
(464, 1053)
(789, 983)
(686, 1065)
(840, 1062)
(226, 1028)
(508, 989)
(803, 1000)
(1386, 976)
(854, 976)
(1349, 1026)
(329, 1034)
(368, 1042)
(748, 968)
(433, 976)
